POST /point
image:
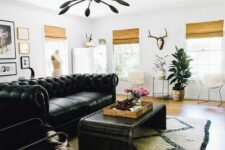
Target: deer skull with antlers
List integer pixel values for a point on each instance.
(89, 41)
(160, 40)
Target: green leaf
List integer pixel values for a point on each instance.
(170, 76)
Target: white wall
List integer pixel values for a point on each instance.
(174, 20)
(35, 19)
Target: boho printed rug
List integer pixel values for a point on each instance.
(181, 134)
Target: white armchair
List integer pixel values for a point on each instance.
(213, 83)
(136, 78)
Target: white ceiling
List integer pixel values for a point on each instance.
(100, 10)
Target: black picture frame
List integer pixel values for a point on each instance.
(22, 61)
(12, 74)
(12, 38)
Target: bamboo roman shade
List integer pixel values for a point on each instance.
(55, 32)
(204, 29)
(127, 36)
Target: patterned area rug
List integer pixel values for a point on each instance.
(181, 134)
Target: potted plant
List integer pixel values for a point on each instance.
(160, 63)
(180, 72)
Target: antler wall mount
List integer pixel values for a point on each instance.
(160, 40)
(68, 4)
(89, 41)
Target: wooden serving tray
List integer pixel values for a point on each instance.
(128, 114)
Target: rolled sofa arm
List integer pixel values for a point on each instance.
(18, 103)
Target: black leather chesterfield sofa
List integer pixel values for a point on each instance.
(60, 101)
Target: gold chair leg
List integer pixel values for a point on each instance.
(206, 100)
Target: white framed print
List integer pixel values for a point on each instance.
(24, 48)
(25, 62)
(8, 69)
(23, 33)
(7, 40)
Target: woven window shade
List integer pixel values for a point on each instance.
(55, 32)
(127, 36)
(204, 29)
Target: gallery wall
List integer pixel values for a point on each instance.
(35, 19)
(174, 20)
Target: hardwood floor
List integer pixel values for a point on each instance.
(190, 109)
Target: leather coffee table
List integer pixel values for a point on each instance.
(101, 132)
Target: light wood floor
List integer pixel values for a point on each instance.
(190, 109)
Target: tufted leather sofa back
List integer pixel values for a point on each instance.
(67, 85)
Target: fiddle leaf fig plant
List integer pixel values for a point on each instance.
(180, 69)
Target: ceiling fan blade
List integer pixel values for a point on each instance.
(64, 10)
(66, 4)
(87, 12)
(122, 2)
(113, 9)
(97, 1)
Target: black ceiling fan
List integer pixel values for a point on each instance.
(67, 5)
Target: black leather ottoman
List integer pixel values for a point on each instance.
(100, 132)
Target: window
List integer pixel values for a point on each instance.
(126, 59)
(204, 45)
(126, 51)
(51, 45)
(55, 39)
(206, 54)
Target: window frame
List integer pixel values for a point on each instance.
(66, 56)
(125, 78)
(199, 51)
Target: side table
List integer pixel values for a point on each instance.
(164, 94)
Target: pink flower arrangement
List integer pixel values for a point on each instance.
(137, 92)
(141, 91)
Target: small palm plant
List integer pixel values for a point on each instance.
(180, 72)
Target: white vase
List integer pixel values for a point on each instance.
(161, 74)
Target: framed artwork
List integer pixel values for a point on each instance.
(24, 48)
(25, 62)
(8, 69)
(7, 40)
(23, 33)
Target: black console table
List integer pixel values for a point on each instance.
(101, 132)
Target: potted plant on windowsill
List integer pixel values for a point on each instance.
(160, 63)
(180, 72)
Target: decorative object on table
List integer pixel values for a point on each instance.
(137, 93)
(57, 64)
(32, 73)
(25, 62)
(68, 4)
(24, 48)
(163, 93)
(180, 72)
(22, 33)
(160, 40)
(136, 78)
(133, 112)
(213, 82)
(124, 104)
(160, 64)
(8, 69)
(7, 40)
(89, 43)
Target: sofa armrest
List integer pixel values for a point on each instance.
(18, 103)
